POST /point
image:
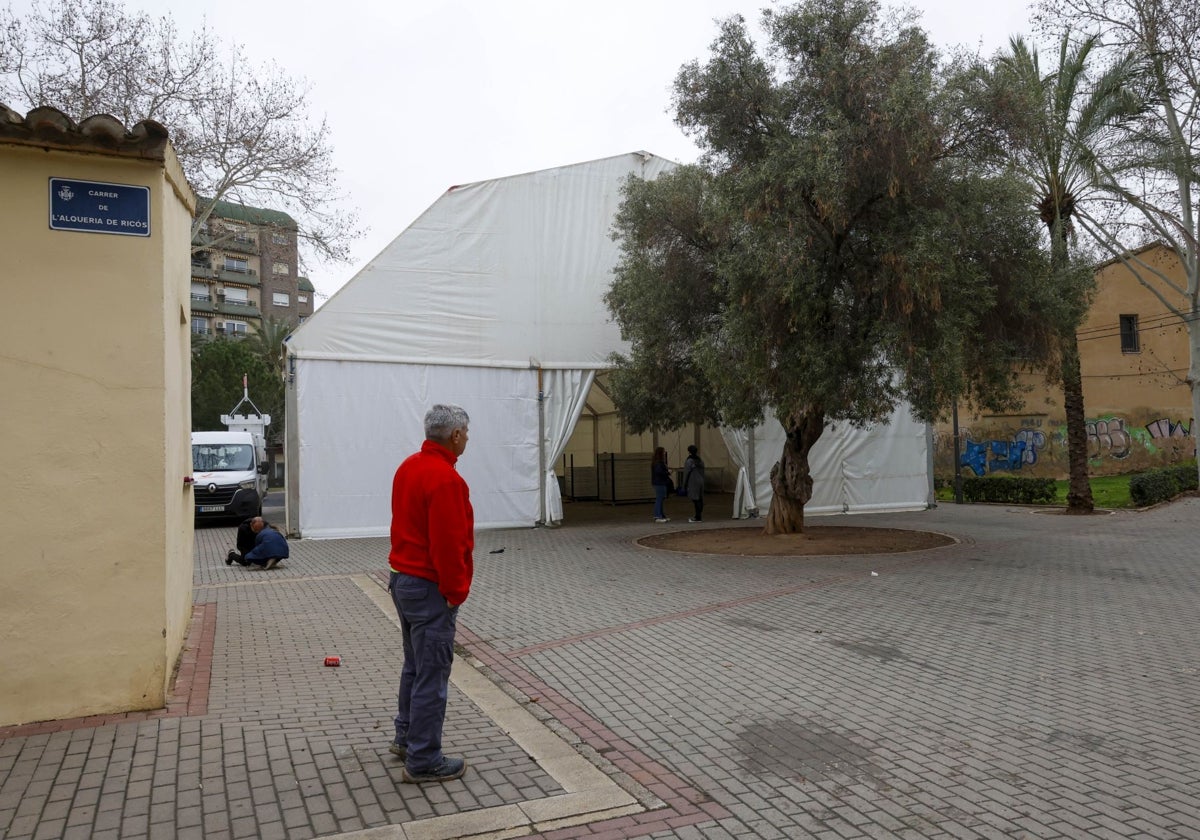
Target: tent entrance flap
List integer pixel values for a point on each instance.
(562, 395)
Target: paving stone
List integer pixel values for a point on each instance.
(963, 692)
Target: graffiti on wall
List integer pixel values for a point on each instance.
(1108, 438)
(1117, 438)
(1164, 428)
(1006, 455)
(1116, 443)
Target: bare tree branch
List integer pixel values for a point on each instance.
(243, 132)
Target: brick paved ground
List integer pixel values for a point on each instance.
(1039, 679)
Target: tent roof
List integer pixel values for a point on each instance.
(509, 272)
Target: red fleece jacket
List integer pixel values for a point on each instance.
(433, 524)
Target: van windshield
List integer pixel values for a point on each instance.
(215, 457)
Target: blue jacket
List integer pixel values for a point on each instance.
(269, 543)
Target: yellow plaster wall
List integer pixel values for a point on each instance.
(174, 216)
(95, 569)
(1138, 407)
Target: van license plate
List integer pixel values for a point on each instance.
(212, 508)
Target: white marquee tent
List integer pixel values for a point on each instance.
(492, 299)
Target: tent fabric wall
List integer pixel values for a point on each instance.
(565, 392)
(745, 500)
(877, 468)
(358, 420)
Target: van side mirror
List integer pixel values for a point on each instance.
(264, 468)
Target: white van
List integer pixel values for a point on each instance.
(230, 473)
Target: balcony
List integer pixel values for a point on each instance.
(249, 277)
(239, 243)
(204, 305)
(202, 270)
(244, 308)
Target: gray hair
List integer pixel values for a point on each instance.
(442, 420)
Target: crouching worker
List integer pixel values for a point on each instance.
(245, 543)
(268, 548)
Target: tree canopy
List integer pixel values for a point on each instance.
(838, 249)
(242, 131)
(218, 365)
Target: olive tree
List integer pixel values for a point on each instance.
(836, 251)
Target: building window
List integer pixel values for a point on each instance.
(200, 291)
(237, 328)
(1129, 334)
(279, 239)
(200, 326)
(280, 268)
(235, 264)
(233, 295)
(280, 299)
(301, 298)
(303, 318)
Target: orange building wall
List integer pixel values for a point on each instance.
(1137, 404)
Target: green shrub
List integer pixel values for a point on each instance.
(1009, 489)
(1154, 486)
(1185, 476)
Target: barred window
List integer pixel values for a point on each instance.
(1129, 334)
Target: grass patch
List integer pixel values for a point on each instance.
(1108, 491)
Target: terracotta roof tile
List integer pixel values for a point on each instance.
(50, 128)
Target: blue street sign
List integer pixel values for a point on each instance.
(94, 207)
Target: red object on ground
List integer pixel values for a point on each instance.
(333, 661)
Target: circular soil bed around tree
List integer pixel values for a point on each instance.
(816, 540)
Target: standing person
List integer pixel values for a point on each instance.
(433, 535)
(660, 479)
(693, 482)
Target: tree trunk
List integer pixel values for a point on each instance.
(1193, 377)
(791, 484)
(1079, 493)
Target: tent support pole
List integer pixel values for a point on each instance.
(541, 449)
(753, 474)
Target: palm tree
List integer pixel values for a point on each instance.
(1064, 122)
(268, 340)
(267, 343)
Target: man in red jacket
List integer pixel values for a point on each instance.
(433, 535)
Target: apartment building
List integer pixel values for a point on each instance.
(245, 267)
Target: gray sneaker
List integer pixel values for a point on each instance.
(273, 562)
(446, 770)
(398, 749)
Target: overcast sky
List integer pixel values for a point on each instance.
(425, 94)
